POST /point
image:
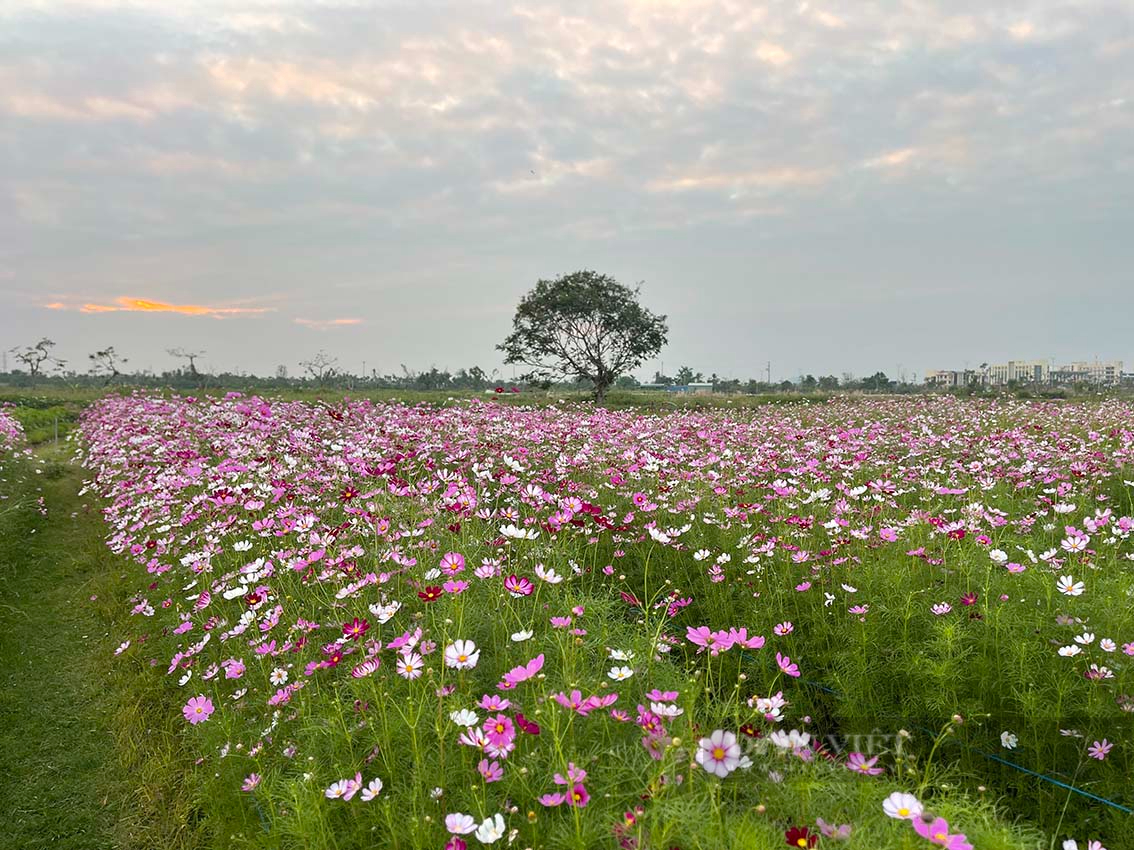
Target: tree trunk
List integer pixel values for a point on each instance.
(600, 393)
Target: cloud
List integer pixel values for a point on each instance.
(126, 304)
(446, 152)
(324, 324)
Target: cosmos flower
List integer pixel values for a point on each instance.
(198, 709)
(718, 754)
(902, 806)
(462, 655)
(1068, 586)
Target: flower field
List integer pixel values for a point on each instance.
(11, 434)
(863, 624)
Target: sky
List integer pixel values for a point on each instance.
(829, 187)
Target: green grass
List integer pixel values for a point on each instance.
(82, 766)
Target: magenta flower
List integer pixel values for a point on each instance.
(861, 764)
(500, 730)
(787, 666)
(521, 674)
(452, 563)
(518, 586)
(490, 770)
(937, 832)
(1100, 749)
(198, 709)
(706, 638)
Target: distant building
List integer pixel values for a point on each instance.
(1019, 371)
(1101, 373)
(1098, 372)
(952, 378)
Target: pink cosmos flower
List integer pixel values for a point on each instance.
(739, 637)
(937, 832)
(860, 764)
(490, 770)
(452, 563)
(458, 823)
(499, 730)
(706, 638)
(787, 666)
(518, 586)
(1100, 749)
(198, 709)
(250, 782)
(521, 674)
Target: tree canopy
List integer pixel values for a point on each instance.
(583, 325)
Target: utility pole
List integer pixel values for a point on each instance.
(769, 372)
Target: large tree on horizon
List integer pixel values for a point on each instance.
(583, 325)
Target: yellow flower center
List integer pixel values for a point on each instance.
(718, 753)
(904, 812)
(802, 842)
(462, 658)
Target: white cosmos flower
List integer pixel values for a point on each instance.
(998, 556)
(462, 655)
(372, 790)
(1069, 651)
(515, 533)
(548, 574)
(902, 806)
(620, 674)
(521, 636)
(1067, 585)
(1086, 638)
(1107, 645)
(1008, 740)
(465, 717)
(622, 654)
(386, 611)
(491, 829)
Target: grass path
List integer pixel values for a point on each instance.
(88, 760)
(58, 786)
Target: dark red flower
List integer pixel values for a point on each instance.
(356, 628)
(431, 593)
(801, 836)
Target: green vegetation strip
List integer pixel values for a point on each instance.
(80, 766)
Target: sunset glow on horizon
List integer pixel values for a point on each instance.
(126, 304)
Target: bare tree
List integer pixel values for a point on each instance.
(35, 356)
(322, 367)
(183, 354)
(106, 362)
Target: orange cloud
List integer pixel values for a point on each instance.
(125, 304)
(323, 324)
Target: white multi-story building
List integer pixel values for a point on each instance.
(1020, 371)
(951, 377)
(1102, 373)
(1098, 372)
